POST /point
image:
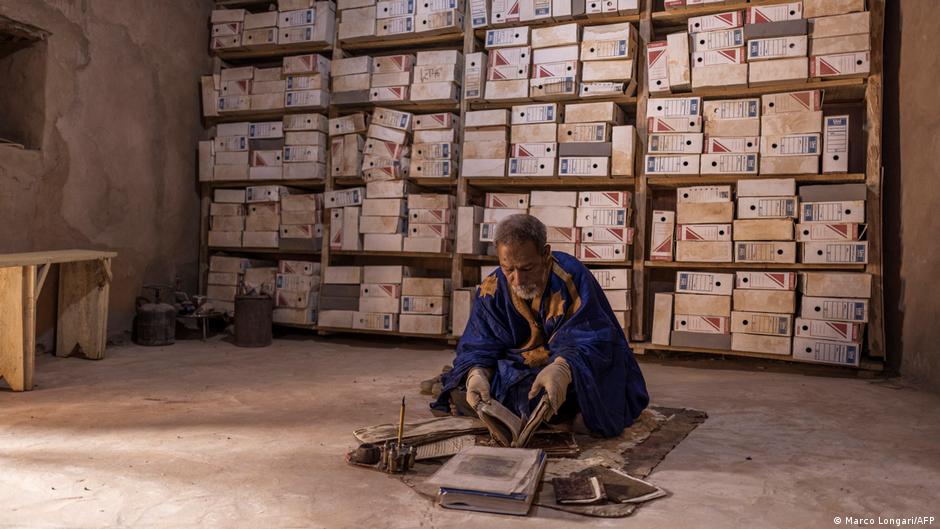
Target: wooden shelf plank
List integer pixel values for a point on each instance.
(752, 266)
(415, 107)
(408, 255)
(645, 346)
(305, 326)
(343, 330)
(691, 180)
(480, 258)
(400, 42)
(271, 52)
(623, 100)
(269, 251)
(582, 21)
(549, 182)
(257, 115)
(836, 90)
(431, 182)
(308, 184)
(230, 4)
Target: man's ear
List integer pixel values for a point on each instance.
(547, 251)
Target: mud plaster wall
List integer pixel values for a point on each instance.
(912, 189)
(116, 167)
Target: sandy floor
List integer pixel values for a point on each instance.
(209, 435)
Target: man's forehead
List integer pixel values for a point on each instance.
(519, 254)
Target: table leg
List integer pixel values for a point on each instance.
(84, 288)
(17, 326)
(205, 328)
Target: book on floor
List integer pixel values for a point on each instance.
(489, 479)
(578, 489)
(506, 427)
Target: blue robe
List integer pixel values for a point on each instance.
(572, 319)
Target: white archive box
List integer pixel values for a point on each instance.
(713, 283)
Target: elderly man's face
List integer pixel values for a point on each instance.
(526, 267)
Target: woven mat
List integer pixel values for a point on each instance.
(637, 451)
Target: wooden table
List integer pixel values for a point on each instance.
(82, 323)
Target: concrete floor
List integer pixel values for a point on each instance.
(209, 435)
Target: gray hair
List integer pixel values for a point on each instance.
(521, 228)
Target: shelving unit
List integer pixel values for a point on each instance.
(861, 91)
(653, 23)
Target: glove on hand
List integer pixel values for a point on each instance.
(478, 386)
(554, 379)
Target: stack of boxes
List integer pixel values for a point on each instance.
(534, 135)
(225, 275)
(306, 82)
(387, 146)
(379, 298)
(603, 219)
(617, 287)
(430, 223)
(475, 75)
(763, 231)
(291, 149)
(296, 292)
(266, 141)
(702, 310)
(435, 152)
(547, 63)
(425, 305)
(703, 217)
(557, 210)
(344, 206)
(839, 38)
(437, 77)
(302, 222)
(732, 127)
(227, 218)
(718, 54)
(485, 143)
(230, 152)
(268, 91)
(296, 22)
(391, 78)
(584, 139)
(351, 80)
(673, 124)
(363, 19)
(339, 296)
(301, 82)
(833, 313)
(762, 45)
(263, 219)
(304, 146)
(832, 224)
(509, 56)
(790, 129)
(384, 167)
(607, 52)
(346, 144)
(776, 43)
(469, 220)
(764, 303)
(555, 63)
(382, 218)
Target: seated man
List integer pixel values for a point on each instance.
(541, 322)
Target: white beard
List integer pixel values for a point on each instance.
(526, 292)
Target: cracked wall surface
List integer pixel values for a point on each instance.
(116, 168)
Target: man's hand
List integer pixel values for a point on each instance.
(478, 386)
(554, 379)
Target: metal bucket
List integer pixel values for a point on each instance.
(253, 320)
